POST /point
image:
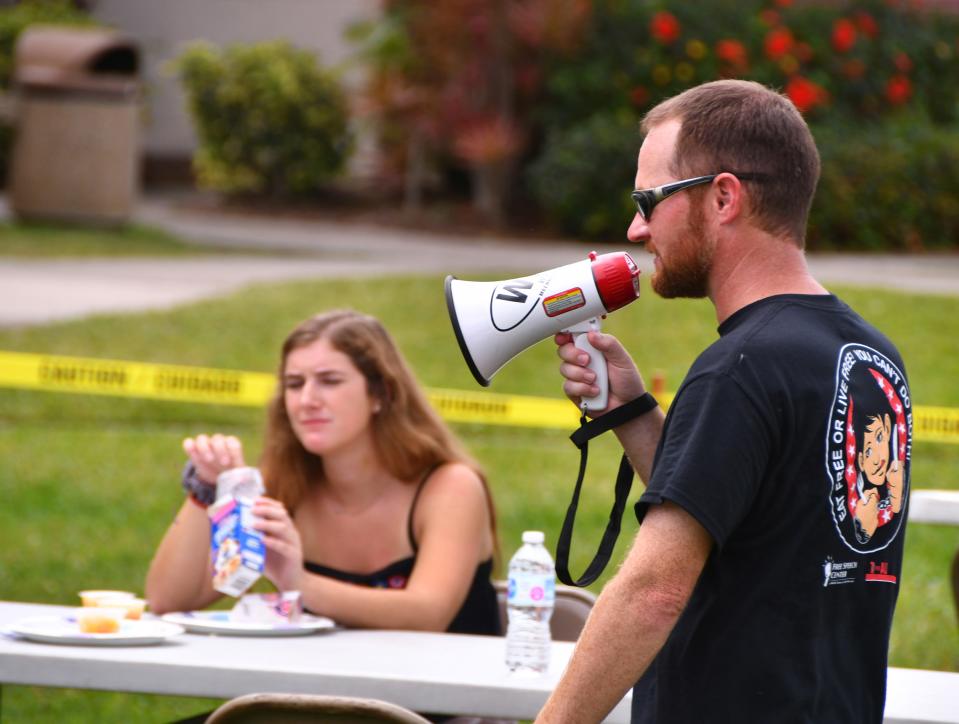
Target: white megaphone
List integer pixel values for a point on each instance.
(495, 321)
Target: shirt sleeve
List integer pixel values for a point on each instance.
(712, 457)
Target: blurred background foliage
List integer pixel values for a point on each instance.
(530, 108)
(550, 92)
(269, 118)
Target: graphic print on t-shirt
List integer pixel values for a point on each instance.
(868, 448)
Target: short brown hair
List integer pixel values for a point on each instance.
(410, 437)
(737, 125)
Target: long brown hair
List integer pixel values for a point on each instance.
(738, 125)
(410, 437)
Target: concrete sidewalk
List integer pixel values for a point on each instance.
(39, 291)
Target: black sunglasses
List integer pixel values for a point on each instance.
(646, 199)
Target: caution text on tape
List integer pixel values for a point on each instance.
(134, 379)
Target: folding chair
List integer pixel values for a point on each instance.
(569, 613)
(302, 708)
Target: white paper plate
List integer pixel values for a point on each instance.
(221, 622)
(66, 630)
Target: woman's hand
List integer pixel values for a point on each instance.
(625, 382)
(284, 549)
(212, 454)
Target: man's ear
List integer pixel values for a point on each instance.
(728, 200)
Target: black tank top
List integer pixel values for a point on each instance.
(480, 611)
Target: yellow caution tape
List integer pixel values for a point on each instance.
(488, 408)
(134, 379)
(935, 424)
(86, 375)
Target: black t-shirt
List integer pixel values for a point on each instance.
(789, 441)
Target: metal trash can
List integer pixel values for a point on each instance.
(75, 155)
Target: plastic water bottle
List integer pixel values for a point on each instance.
(529, 605)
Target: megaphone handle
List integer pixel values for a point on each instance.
(597, 363)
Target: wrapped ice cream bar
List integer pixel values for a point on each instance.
(236, 548)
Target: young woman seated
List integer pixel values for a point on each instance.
(373, 510)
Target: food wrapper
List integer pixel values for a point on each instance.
(236, 547)
(285, 607)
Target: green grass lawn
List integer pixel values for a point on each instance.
(43, 240)
(90, 483)
(36, 240)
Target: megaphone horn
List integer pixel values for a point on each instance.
(495, 321)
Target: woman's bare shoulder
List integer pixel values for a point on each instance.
(453, 480)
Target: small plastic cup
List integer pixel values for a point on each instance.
(133, 607)
(100, 619)
(93, 598)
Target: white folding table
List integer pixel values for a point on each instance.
(427, 672)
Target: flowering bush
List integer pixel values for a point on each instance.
(452, 85)
(859, 63)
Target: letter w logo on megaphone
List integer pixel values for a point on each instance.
(515, 295)
(511, 303)
(495, 321)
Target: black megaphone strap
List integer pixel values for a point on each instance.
(624, 482)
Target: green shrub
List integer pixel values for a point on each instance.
(13, 21)
(886, 187)
(269, 119)
(581, 176)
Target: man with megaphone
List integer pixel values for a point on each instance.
(747, 595)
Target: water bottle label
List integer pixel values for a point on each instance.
(530, 589)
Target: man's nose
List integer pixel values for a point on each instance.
(638, 231)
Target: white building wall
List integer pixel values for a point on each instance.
(163, 27)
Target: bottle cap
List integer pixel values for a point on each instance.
(533, 536)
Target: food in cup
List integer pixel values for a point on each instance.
(98, 620)
(133, 607)
(93, 598)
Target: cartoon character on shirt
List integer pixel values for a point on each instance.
(876, 440)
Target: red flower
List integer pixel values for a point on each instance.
(898, 90)
(843, 35)
(784, 3)
(733, 53)
(778, 43)
(639, 95)
(805, 94)
(867, 24)
(664, 27)
(902, 62)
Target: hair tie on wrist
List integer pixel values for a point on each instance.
(201, 493)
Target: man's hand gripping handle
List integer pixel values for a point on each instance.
(597, 363)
